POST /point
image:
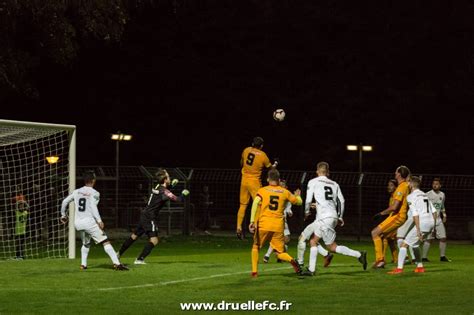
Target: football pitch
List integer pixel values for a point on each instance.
(212, 269)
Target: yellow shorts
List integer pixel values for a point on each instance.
(248, 188)
(391, 224)
(276, 239)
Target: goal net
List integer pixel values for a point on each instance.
(37, 171)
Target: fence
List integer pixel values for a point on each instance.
(215, 193)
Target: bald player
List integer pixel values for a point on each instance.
(398, 215)
(269, 224)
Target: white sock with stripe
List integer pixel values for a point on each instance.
(313, 257)
(347, 251)
(322, 251)
(301, 250)
(84, 254)
(402, 254)
(112, 254)
(269, 251)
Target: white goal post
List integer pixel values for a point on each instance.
(37, 171)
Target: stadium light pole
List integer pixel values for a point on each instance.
(118, 137)
(360, 148)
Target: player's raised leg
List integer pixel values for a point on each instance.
(278, 243)
(244, 201)
(129, 241)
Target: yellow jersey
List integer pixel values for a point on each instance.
(390, 202)
(400, 195)
(253, 161)
(272, 207)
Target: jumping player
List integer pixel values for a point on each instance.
(253, 161)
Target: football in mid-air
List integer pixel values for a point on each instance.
(279, 115)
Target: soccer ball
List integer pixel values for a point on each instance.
(279, 115)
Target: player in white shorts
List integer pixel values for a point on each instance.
(330, 209)
(87, 220)
(402, 232)
(308, 234)
(437, 197)
(424, 217)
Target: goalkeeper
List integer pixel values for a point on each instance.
(159, 197)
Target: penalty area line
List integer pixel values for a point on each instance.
(184, 280)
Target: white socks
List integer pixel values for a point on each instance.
(417, 254)
(412, 254)
(84, 254)
(112, 254)
(426, 248)
(347, 251)
(269, 251)
(399, 242)
(301, 249)
(313, 256)
(442, 249)
(322, 251)
(402, 254)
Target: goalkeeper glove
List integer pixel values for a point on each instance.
(185, 192)
(174, 182)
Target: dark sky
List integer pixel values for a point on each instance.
(194, 87)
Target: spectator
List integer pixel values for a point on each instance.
(21, 214)
(204, 204)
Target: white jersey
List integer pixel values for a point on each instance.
(419, 205)
(437, 199)
(85, 201)
(328, 196)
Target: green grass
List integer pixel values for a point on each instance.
(58, 286)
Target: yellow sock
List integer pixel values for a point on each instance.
(240, 216)
(284, 257)
(378, 248)
(254, 258)
(384, 246)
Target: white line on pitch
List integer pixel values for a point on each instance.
(184, 280)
